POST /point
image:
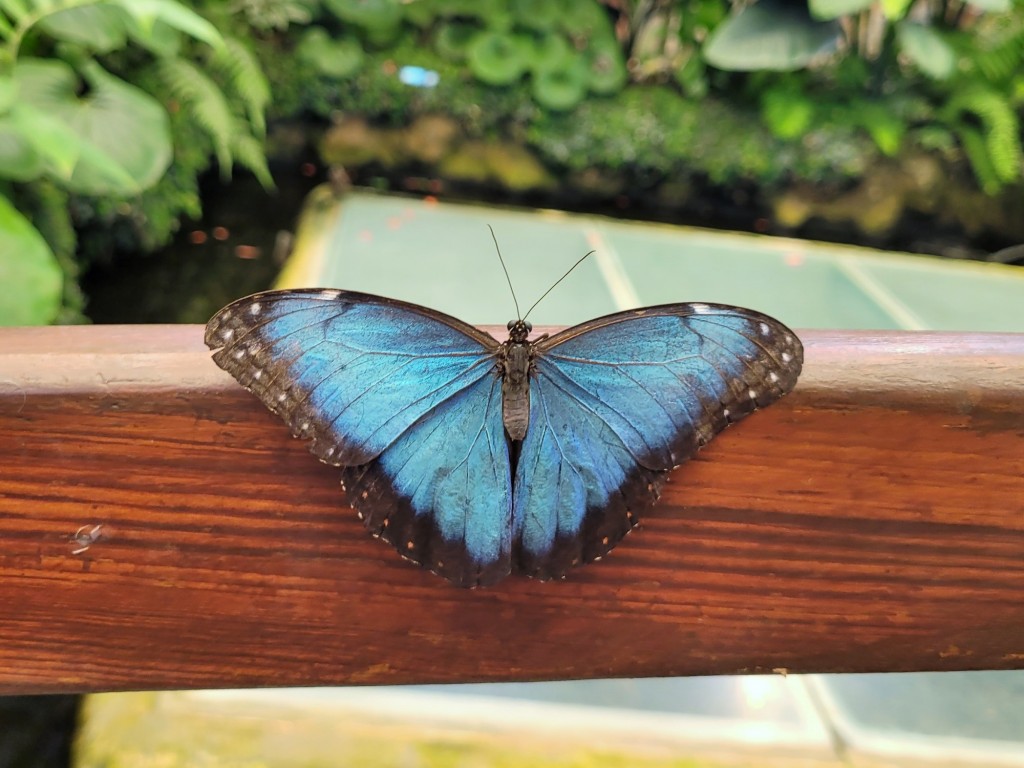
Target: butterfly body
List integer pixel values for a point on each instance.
(514, 369)
(479, 458)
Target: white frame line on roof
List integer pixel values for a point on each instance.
(904, 316)
(613, 271)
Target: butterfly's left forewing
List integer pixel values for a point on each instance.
(404, 399)
(619, 401)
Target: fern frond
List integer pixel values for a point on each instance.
(977, 154)
(1000, 132)
(250, 153)
(16, 9)
(243, 71)
(198, 94)
(1003, 53)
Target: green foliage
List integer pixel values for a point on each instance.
(652, 133)
(47, 206)
(335, 57)
(376, 92)
(144, 222)
(994, 151)
(770, 35)
(78, 135)
(561, 88)
(899, 79)
(67, 125)
(113, 140)
(787, 110)
(267, 15)
(1002, 55)
(226, 94)
(925, 47)
(496, 44)
(498, 58)
(29, 271)
(200, 95)
(243, 72)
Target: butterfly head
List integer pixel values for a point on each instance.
(518, 330)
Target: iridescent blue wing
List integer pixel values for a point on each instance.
(617, 402)
(406, 400)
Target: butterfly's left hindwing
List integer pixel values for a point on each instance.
(456, 465)
(405, 399)
(619, 401)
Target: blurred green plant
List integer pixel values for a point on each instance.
(75, 136)
(272, 15)
(904, 71)
(563, 52)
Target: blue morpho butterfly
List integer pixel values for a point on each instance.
(478, 458)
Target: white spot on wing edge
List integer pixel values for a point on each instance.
(773, 376)
(699, 309)
(786, 357)
(227, 333)
(255, 308)
(330, 293)
(765, 330)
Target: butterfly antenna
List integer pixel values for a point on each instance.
(549, 290)
(505, 269)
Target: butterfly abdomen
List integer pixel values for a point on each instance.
(515, 388)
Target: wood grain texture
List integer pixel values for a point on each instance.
(872, 520)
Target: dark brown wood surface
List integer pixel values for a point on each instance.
(159, 528)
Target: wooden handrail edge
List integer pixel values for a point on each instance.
(160, 529)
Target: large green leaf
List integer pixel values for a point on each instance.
(29, 273)
(113, 139)
(927, 49)
(895, 9)
(19, 159)
(99, 28)
(149, 14)
(338, 57)
(770, 35)
(499, 58)
(8, 92)
(995, 6)
(833, 9)
(58, 146)
(161, 39)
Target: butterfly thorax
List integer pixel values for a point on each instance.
(514, 367)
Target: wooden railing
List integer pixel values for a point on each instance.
(159, 528)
